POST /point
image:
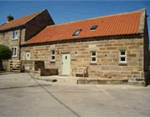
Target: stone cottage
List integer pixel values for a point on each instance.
(15, 32)
(114, 46)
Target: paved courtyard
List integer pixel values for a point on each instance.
(22, 96)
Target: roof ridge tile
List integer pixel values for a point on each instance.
(130, 12)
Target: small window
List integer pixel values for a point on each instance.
(93, 27)
(5, 41)
(65, 57)
(14, 35)
(77, 32)
(93, 56)
(122, 56)
(14, 51)
(53, 55)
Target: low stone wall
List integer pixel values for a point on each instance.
(48, 72)
(5, 64)
(102, 81)
(27, 65)
(31, 65)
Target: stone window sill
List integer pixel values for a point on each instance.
(52, 61)
(93, 63)
(14, 56)
(122, 64)
(14, 39)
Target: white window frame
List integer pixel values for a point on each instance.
(94, 56)
(16, 35)
(53, 55)
(16, 51)
(124, 62)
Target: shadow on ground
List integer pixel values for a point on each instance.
(25, 86)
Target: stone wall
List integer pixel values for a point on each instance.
(107, 57)
(6, 39)
(48, 72)
(5, 64)
(27, 65)
(31, 65)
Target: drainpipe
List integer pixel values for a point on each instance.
(20, 44)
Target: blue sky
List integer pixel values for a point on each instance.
(65, 11)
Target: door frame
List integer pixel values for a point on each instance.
(62, 64)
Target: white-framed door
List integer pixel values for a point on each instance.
(65, 64)
(27, 55)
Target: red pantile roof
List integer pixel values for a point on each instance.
(17, 22)
(120, 24)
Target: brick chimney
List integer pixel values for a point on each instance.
(10, 18)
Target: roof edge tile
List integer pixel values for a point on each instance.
(142, 21)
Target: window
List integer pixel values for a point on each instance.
(53, 55)
(14, 35)
(14, 51)
(122, 56)
(77, 32)
(93, 27)
(5, 41)
(93, 56)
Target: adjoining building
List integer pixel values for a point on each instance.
(16, 32)
(114, 46)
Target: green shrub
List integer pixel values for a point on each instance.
(5, 52)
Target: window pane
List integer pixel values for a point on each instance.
(16, 33)
(65, 57)
(13, 34)
(122, 58)
(93, 27)
(93, 59)
(15, 51)
(93, 53)
(122, 52)
(77, 32)
(53, 57)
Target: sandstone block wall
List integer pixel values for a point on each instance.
(6, 39)
(107, 65)
(48, 72)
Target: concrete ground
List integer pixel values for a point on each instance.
(22, 96)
